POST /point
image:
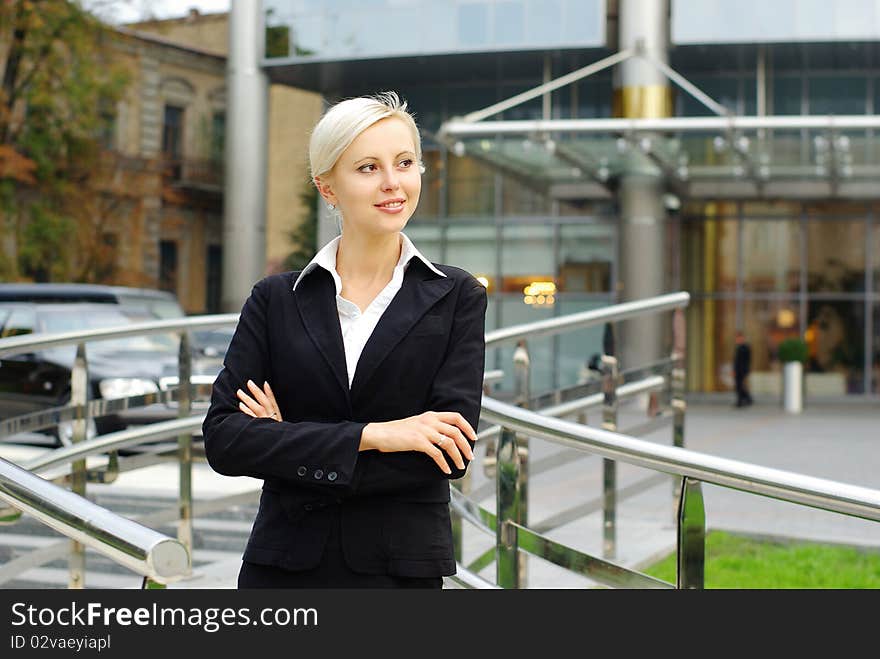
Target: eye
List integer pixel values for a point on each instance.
(366, 168)
(406, 162)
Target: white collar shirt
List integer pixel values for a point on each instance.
(357, 326)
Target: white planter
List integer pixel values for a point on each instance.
(793, 387)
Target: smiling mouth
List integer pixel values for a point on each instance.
(391, 204)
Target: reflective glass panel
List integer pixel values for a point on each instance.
(708, 255)
(527, 260)
(586, 252)
(473, 248)
(772, 263)
(711, 324)
(835, 336)
(765, 324)
(836, 256)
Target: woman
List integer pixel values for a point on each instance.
(353, 387)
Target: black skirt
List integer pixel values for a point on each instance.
(331, 572)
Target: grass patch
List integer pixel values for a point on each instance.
(734, 561)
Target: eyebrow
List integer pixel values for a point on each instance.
(407, 152)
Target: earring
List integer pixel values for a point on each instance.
(330, 207)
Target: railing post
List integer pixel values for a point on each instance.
(184, 446)
(677, 386)
(522, 375)
(79, 396)
(609, 422)
(509, 508)
(691, 548)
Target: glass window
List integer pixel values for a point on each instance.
(708, 253)
(710, 328)
(773, 249)
(765, 324)
(722, 90)
(787, 95)
(432, 185)
(838, 94)
(594, 98)
(509, 22)
(836, 256)
(427, 239)
(875, 254)
(835, 336)
(527, 260)
(473, 24)
(471, 187)
(473, 248)
(586, 252)
(518, 198)
(543, 25)
(515, 312)
(875, 352)
(578, 346)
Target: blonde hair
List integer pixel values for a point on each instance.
(343, 122)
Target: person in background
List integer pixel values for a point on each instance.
(742, 364)
(352, 388)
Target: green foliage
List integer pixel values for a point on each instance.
(61, 79)
(793, 350)
(305, 236)
(734, 561)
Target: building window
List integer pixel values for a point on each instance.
(172, 139)
(214, 279)
(218, 136)
(168, 265)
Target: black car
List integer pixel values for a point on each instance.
(117, 368)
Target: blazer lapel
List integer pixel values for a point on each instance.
(421, 289)
(316, 298)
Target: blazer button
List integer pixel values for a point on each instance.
(331, 476)
(301, 471)
(308, 507)
(318, 474)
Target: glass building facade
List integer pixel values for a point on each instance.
(801, 260)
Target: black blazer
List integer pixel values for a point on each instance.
(426, 353)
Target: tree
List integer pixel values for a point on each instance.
(61, 81)
(305, 236)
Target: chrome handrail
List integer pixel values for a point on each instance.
(137, 547)
(26, 342)
(821, 493)
(589, 318)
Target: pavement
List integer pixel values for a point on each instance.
(837, 441)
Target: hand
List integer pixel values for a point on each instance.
(262, 405)
(429, 432)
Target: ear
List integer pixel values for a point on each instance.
(325, 190)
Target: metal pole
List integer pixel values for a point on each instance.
(79, 396)
(244, 207)
(609, 422)
(679, 406)
(508, 506)
(691, 548)
(522, 375)
(184, 446)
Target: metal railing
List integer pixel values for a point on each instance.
(159, 558)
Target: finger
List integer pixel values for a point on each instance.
(437, 455)
(259, 396)
(458, 420)
(251, 403)
(244, 408)
(448, 444)
(271, 396)
(456, 435)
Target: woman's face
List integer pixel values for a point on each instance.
(376, 181)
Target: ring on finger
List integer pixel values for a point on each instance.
(441, 441)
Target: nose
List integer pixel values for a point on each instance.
(390, 180)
